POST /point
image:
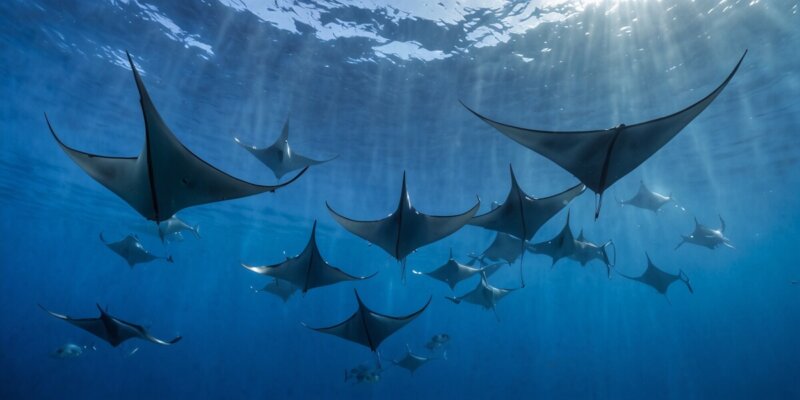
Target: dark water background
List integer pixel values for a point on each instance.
(571, 333)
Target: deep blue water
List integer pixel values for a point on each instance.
(218, 69)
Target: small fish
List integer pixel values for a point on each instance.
(71, 350)
(438, 341)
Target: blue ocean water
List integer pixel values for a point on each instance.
(378, 83)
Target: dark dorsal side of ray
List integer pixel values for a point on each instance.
(369, 328)
(111, 329)
(452, 272)
(411, 361)
(406, 229)
(659, 279)
(279, 157)
(522, 215)
(706, 237)
(646, 199)
(284, 290)
(561, 246)
(307, 270)
(132, 251)
(484, 295)
(165, 177)
(599, 158)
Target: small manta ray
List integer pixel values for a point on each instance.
(307, 270)
(412, 361)
(174, 226)
(561, 246)
(646, 199)
(522, 215)
(484, 295)
(599, 158)
(283, 290)
(279, 157)
(369, 328)
(658, 279)
(707, 237)
(132, 251)
(405, 229)
(111, 329)
(165, 177)
(437, 341)
(585, 251)
(452, 272)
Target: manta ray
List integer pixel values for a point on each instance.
(132, 251)
(405, 229)
(561, 246)
(284, 290)
(112, 329)
(484, 295)
(646, 199)
(174, 226)
(504, 247)
(369, 328)
(522, 215)
(165, 177)
(452, 272)
(707, 237)
(307, 270)
(411, 361)
(599, 158)
(585, 251)
(659, 279)
(279, 157)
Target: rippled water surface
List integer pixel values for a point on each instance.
(378, 83)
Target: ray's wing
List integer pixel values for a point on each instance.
(431, 228)
(124, 176)
(383, 233)
(95, 326)
(381, 326)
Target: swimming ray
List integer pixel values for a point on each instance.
(307, 270)
(132, 250)
(646, 199)
(522, 215)
(369, 328)
(283, 290)
(659, 279)
(586, 251)
(484, 295)
(405, 229)
(112, 329)
(452, 272)
(707, 237)
(599, 158)
(165, 177)
(561, 246)
(411, 361)
(279, 157)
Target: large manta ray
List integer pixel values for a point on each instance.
(406, 229)
(165, 177)
(600, 158)
(307, 270)
(522, 215)
(369, 328)
(659, 279)
(452, 272)
(112, 329)
(279, 157)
